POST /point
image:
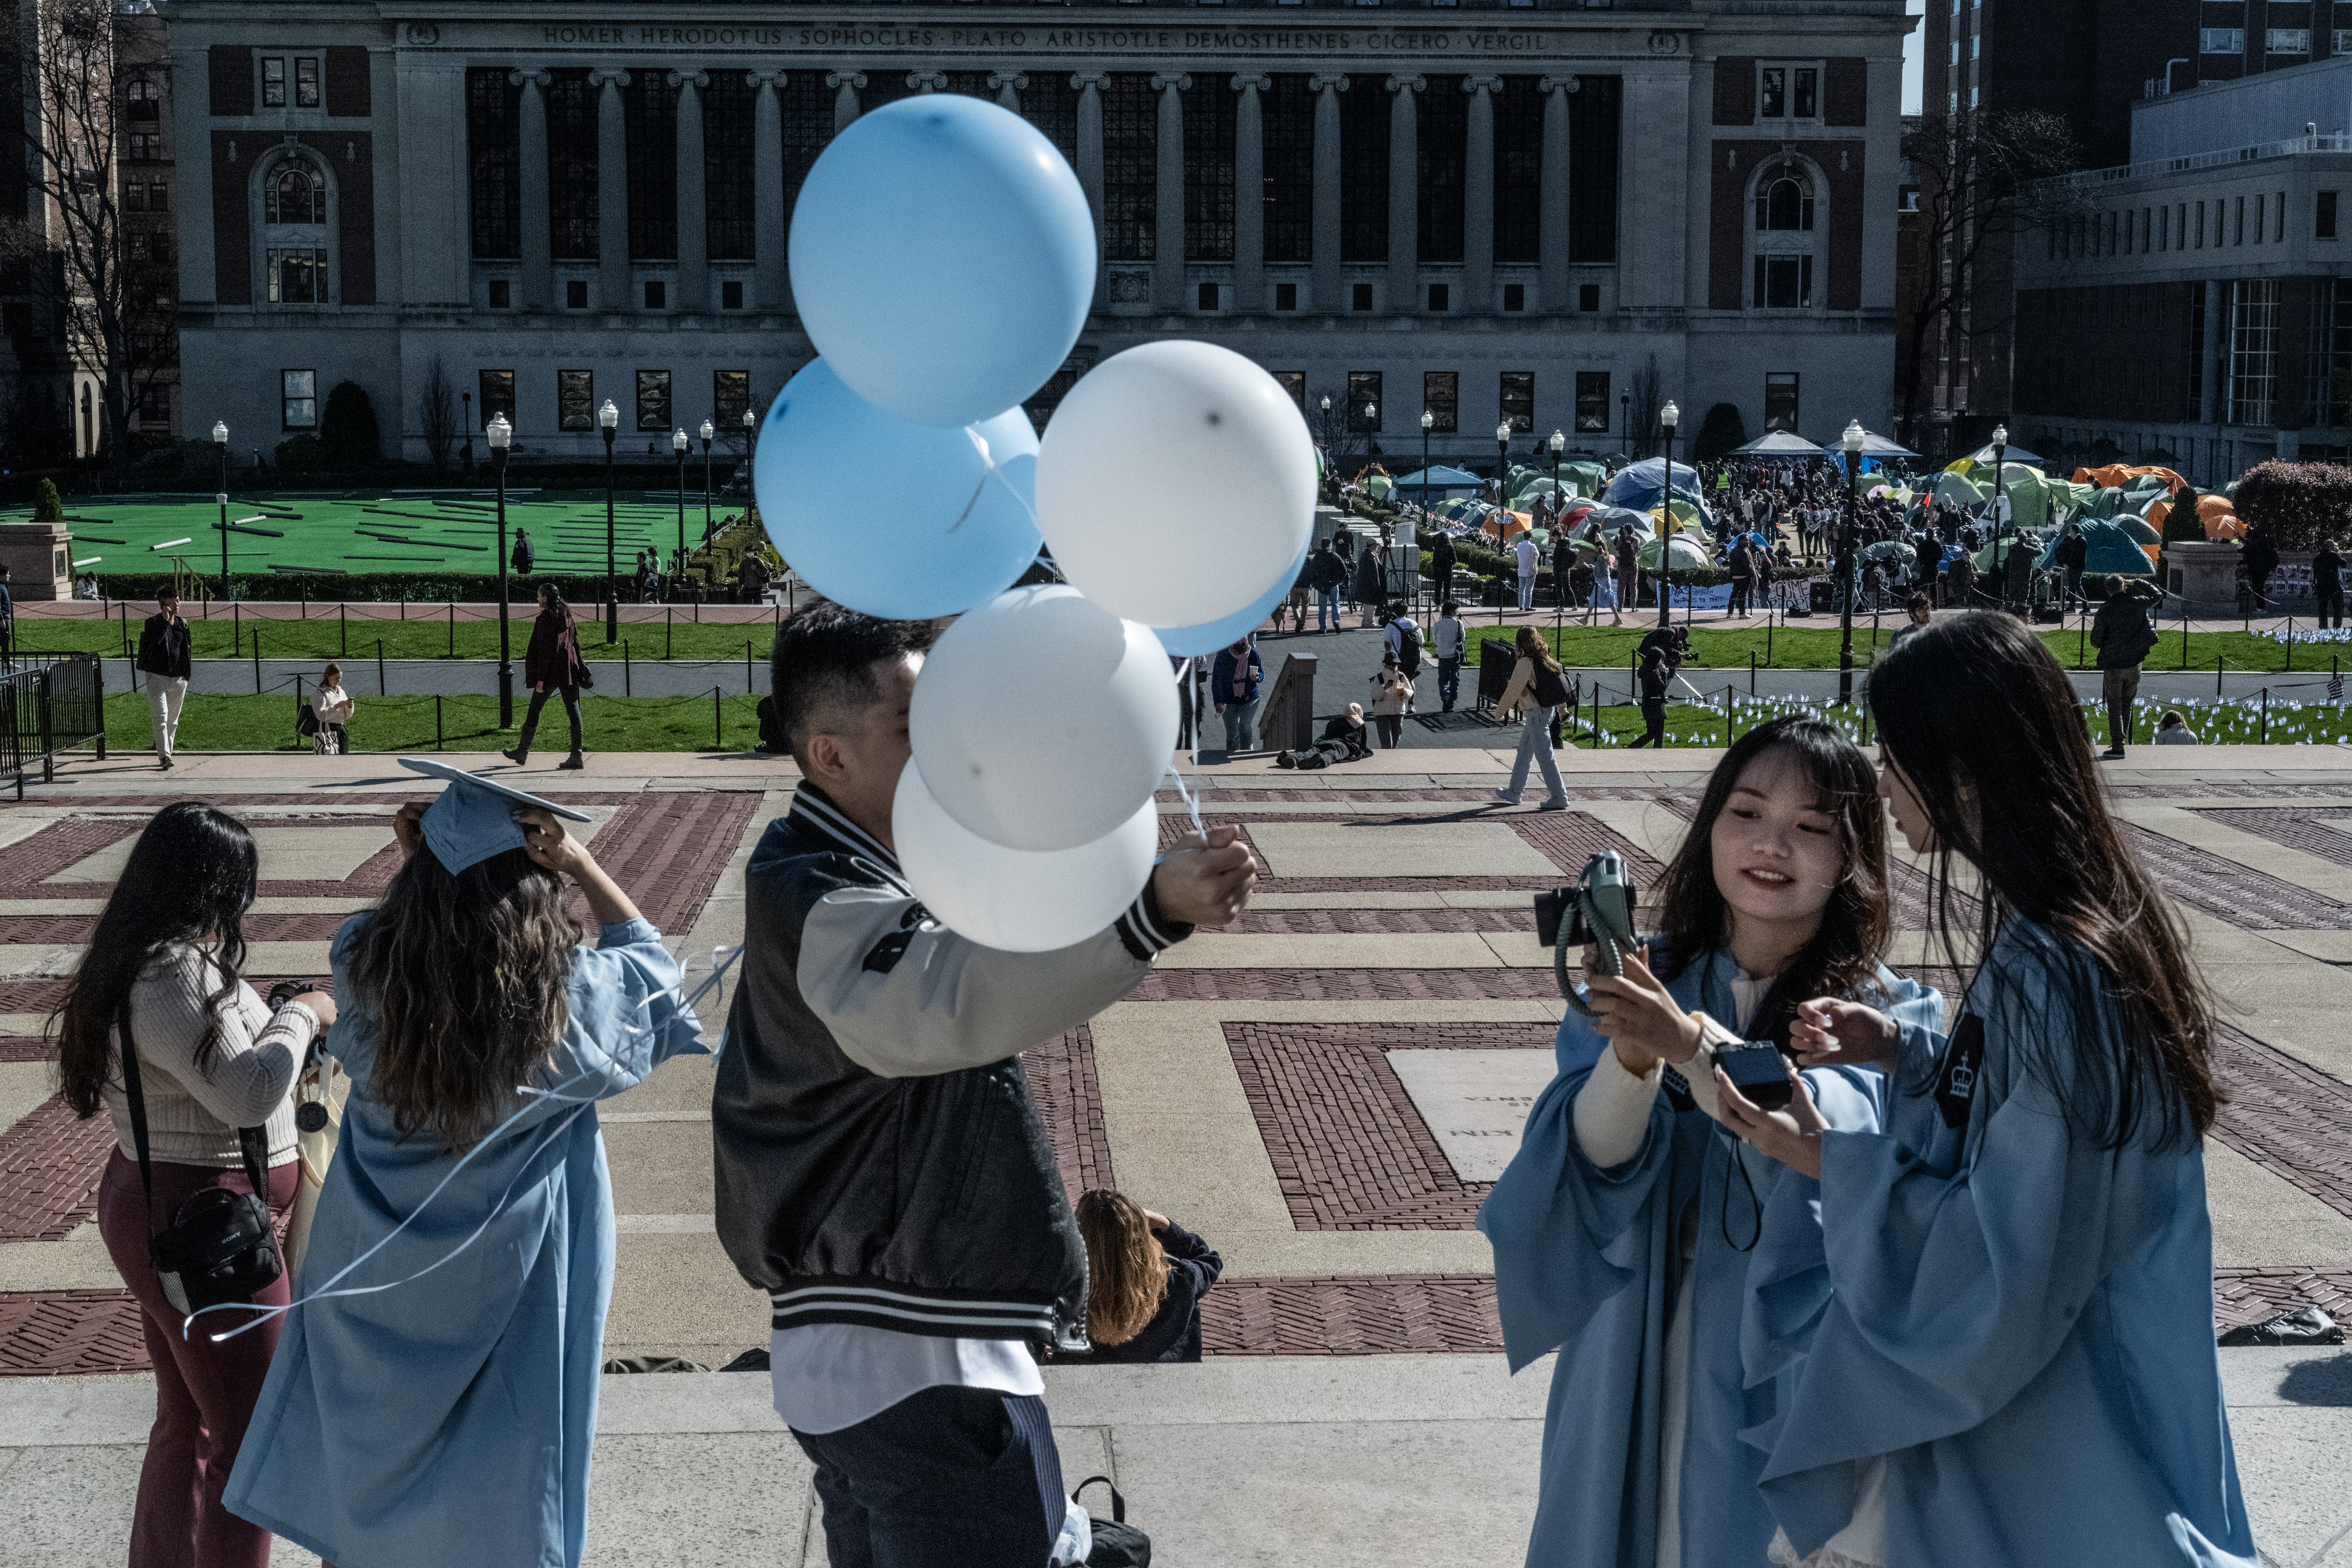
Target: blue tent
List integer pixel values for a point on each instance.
(1438, 477)
(1636, 487)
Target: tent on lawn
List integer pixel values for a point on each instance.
(1983, 454)
(1683, 553)
(1639, 485)
(1444, 484)
(1881, 446)
(2113, 551)
(1779, 443)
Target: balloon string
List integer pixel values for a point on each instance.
(989, 470)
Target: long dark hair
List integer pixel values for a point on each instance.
(551, 605)
(190, 878)
(1983, 724)
(466, 972)
(1691, 916)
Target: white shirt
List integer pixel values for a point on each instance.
(828, 1376)
(1449, 637)
(1392, 639)
(1527, 552)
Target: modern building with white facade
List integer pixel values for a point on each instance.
(1492, 214)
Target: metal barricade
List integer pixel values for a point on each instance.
(49, 709)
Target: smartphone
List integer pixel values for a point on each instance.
(1757, 1071)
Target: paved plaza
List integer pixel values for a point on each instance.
(1324, 1090)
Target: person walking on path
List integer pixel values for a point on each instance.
(2124, 637)
(1327, 574)
(1962, 576)
(1440, 565)
(1528, 558)
(163, 647)
(881, 1169)
(1629, 574)
(551, 664)
(1402, 637)
(1563, 564)
(1371, 590)
(522, 556)
(1536, 686)
(2328, 583)
(333, 707)
(1657, 678)
(1448, 632)
(450, 1418)
(1235, 684)
(1391, 695)
(161, 980)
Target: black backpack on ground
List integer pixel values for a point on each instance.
(1118, 1545)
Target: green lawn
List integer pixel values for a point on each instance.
(463, 724)
(426, 636)
(1815, 647)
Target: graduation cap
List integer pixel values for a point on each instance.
(474, 818)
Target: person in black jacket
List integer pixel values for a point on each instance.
(163, 659)
(552, 664)
(2074, 551)
(2123, 634)
(1657, 681)
(881, 1170)
(2259, 555)
(1440, 566)
(1328, 574)
(522, 557)
(1145, 1277)
(2328, 583)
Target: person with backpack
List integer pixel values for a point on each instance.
(1402, 637)
(1235, 682)
(2125, 637)
(1536, 686)
(1327, 574)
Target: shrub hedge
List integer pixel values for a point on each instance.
(2299, 504)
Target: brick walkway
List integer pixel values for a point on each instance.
(50, 1163)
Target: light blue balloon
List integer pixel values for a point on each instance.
(904, 521)
(942, 258)
(1199, 641)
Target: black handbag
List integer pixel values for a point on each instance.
(222, 1246)
(1118, 1545)
(305, 721)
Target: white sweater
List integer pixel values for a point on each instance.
(248, 1081)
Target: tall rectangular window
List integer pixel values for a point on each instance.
(2241, 221)
(1593, 402)
(2258, 220)
(1804, 92)
(2323, 220)
(273, 82)
(298, 276)
(1780, 400)
(1592, 155)
(2200, 225)
(298, 399)
(575, 399)
(2191, 410)
(1518, 170)
(1519, 400)
(1287, 119)
(1130, 215)
(650, 111)
(306, 82)
(1364, 401)
(498, 396)
(572, 165)
(494, 163)
(2331, 353)
(805, 105)
(729, 233)
(731, 400)
(1364, 171)
(1772, 88)
(1441, 151)
(653, 401)
(2253, 349)
(1441, 398)
(1209, 110)
(1051, 104)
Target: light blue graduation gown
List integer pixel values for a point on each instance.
(2021, 1322)
(1586, 1260)
(449, 1419)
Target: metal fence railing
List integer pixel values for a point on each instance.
(49, 709)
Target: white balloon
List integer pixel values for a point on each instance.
(1017, 901)
(1175, 483)
(1042, 721)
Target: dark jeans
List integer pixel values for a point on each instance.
(948, 1478)
(1449, 682)
(1390, 727)
(2331, 605)
(205, 1393)
(1654, 717)
(538, 701)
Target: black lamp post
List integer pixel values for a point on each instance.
(1502, 464)
(501, 436)
(1624, 420)
(1668, 417)
(707, 432)
(220, 440)
(1846, 536)
(608, 419)
(2000, 509)
(1559, 444)
(677, 444)
(1428, 423)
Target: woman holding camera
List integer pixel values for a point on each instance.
(211, 1058)
(1631, 1230)
(434, 1400)
(2021, 1319)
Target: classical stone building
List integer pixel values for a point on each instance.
(1493, 213)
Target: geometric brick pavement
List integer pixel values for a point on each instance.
(2243, 1296)
(2246, 898)
(2295, 830)
(1310, 984)
(2289, 1118)
(50, 1166)
(1363, 1315)
(1349, 1147)
(1062, 1080)
(54, 1333)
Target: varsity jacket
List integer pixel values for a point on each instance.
(879, 1158)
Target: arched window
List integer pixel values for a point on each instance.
(1784, 200)
(294, 231)
(297, 194)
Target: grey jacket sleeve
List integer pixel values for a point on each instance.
(905, 996)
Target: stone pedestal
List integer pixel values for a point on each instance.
(2201, 578)
(39, 558)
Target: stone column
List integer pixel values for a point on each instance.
(1478, 198)
(611, 191)
(847, 85)
(1089, 86)
(771, 288)
(1249, 194)
(1168, 225)
(1404, 194)
(537, 243)
(1551, 224)
(1008, 85)
(693, 250)
(927, 81)
(1325, 249)
(2212, 405)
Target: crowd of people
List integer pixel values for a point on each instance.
(1921, 1291)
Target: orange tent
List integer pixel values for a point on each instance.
(2112, 476)
(2214, 515)
(1503, 525)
